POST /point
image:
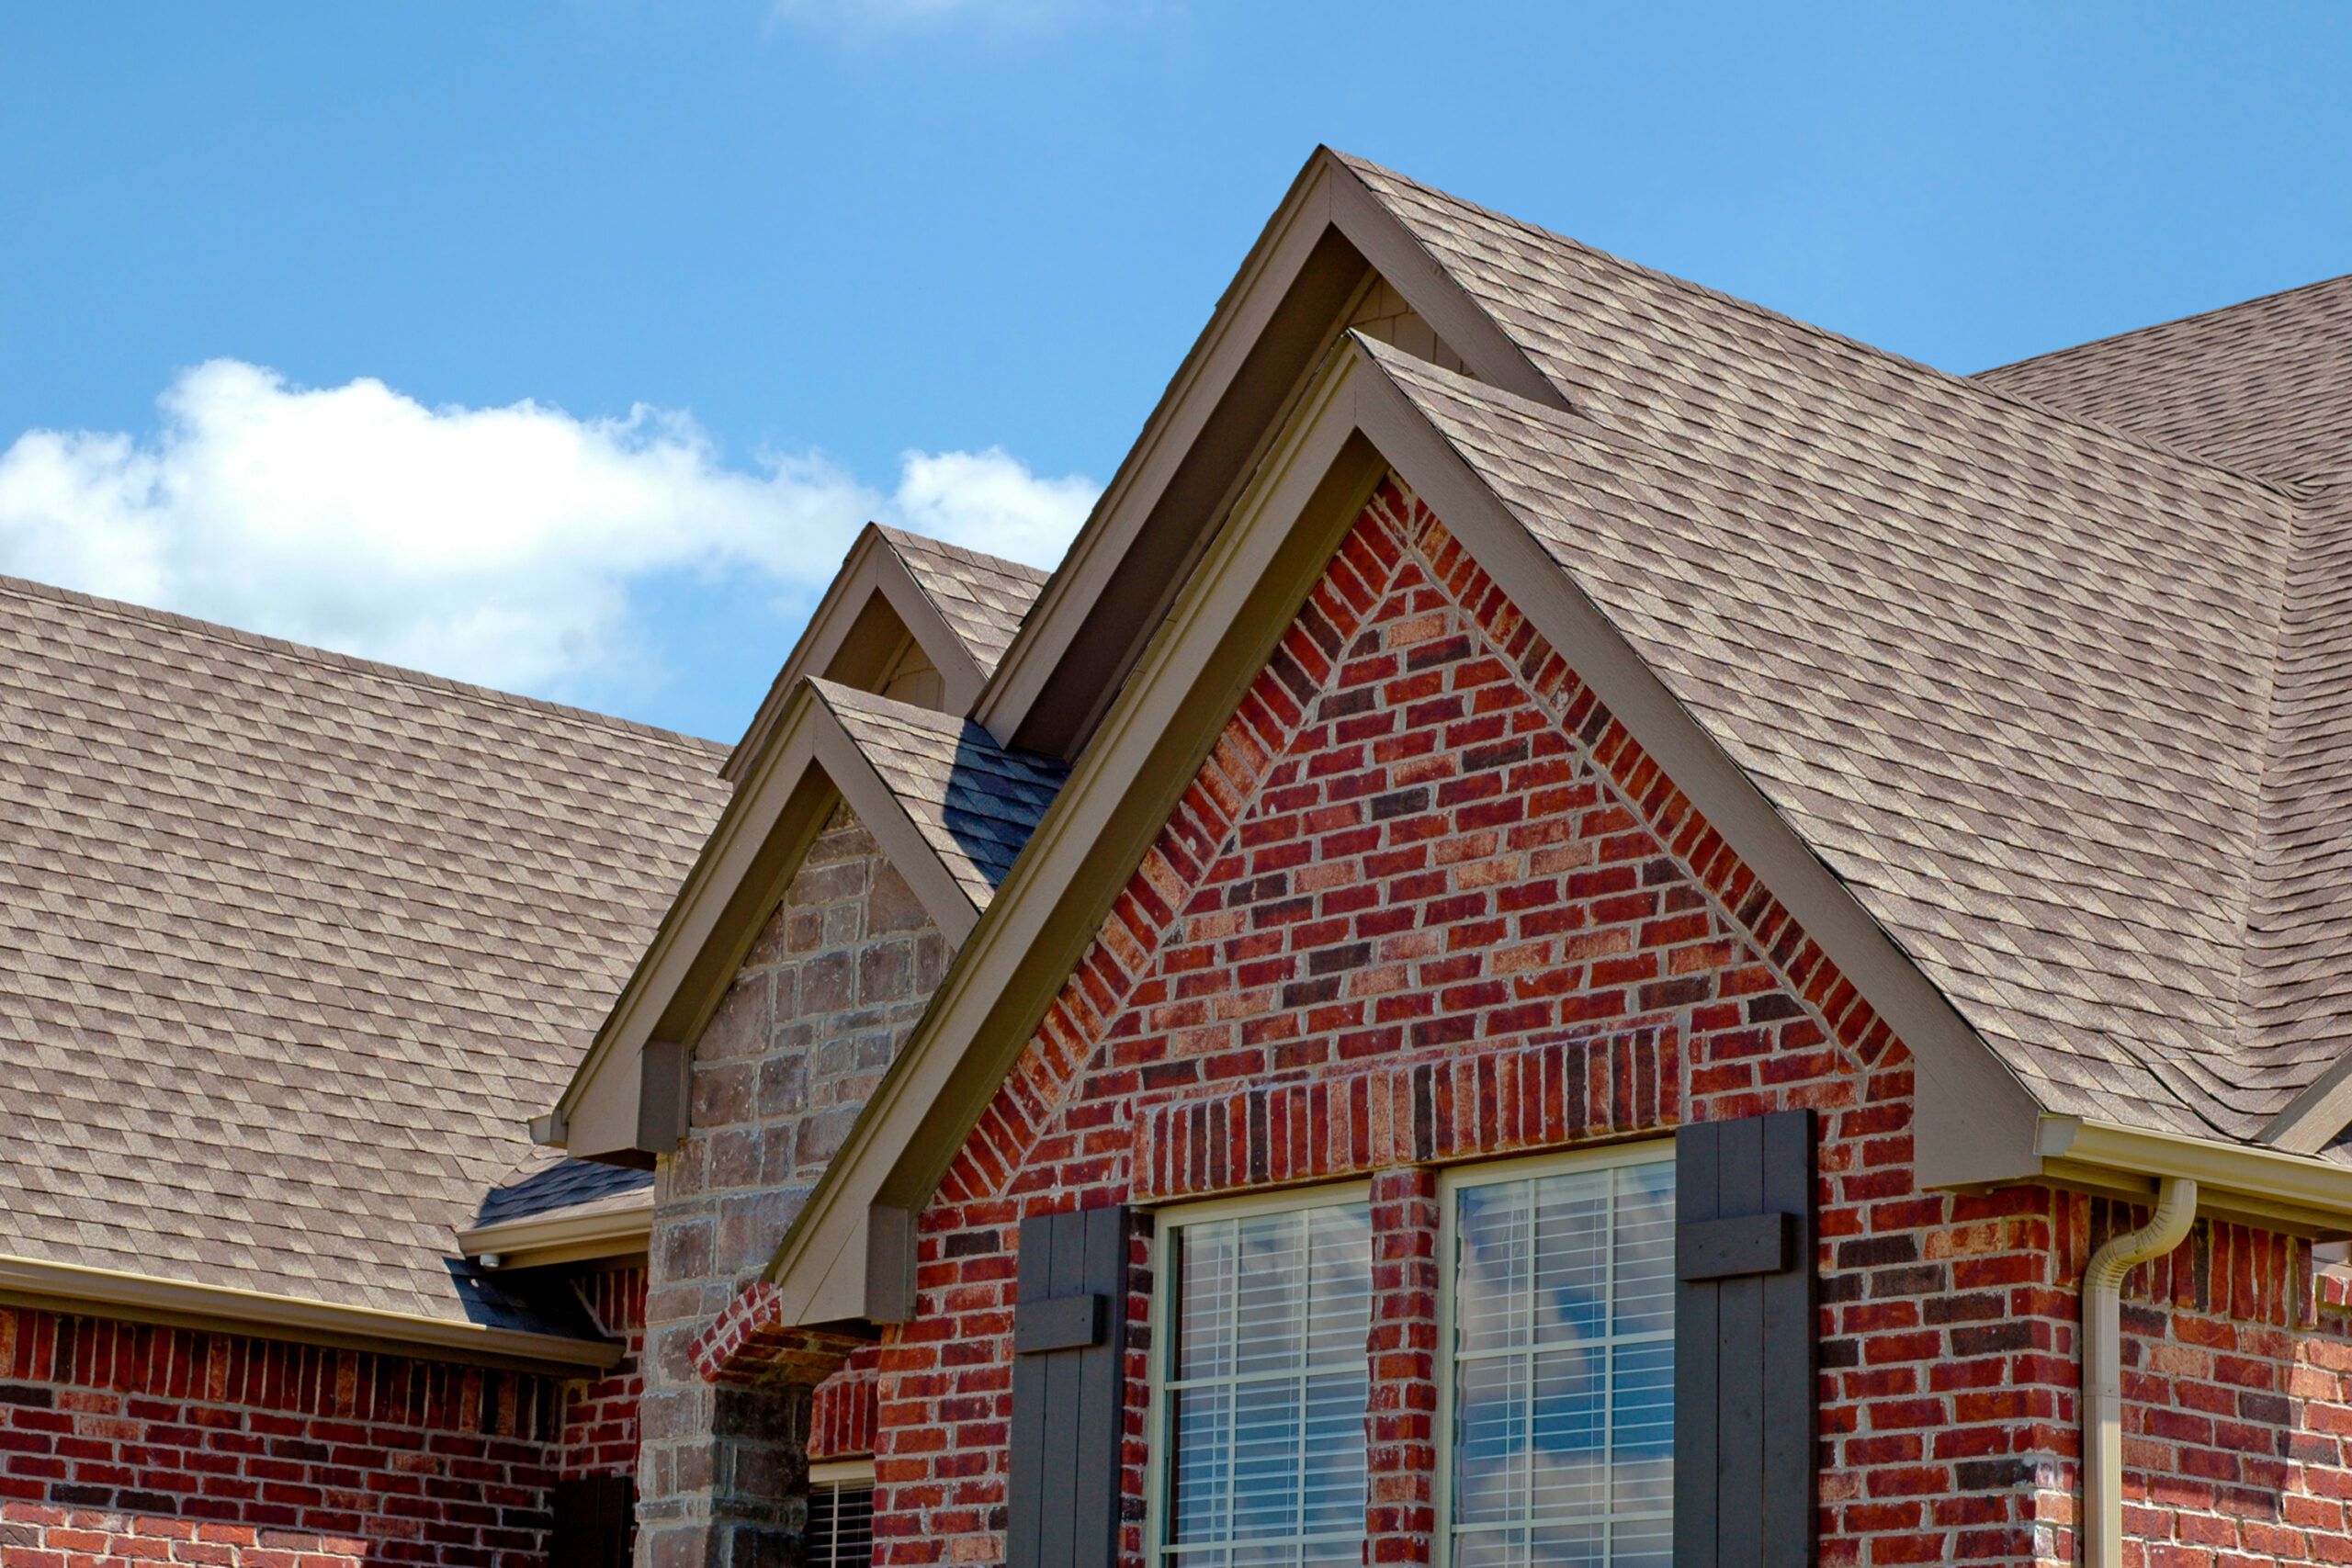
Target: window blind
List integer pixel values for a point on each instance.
(1563, 1369)
(841, 1525)
(1264, 1387)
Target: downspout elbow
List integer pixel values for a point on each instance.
(2101, 1526)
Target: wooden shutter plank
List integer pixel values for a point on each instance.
(1102, 1395)
(1746, 1408)
(1791, 1340)
(1064, 1388)
(1025, 1502)
(1739, 1411)
(1696, 1332)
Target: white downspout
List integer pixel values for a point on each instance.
(2102, 1523)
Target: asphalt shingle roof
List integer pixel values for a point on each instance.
(974, 802)
(2266, 387)
(981, 597)
(291, 947)
(2061, 693)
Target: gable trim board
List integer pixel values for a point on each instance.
(1977, 1123)
(76, 1290)
(805, 764)
(1220, 416)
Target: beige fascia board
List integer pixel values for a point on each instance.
(805, 762)
(853, 586)
(873, 568)
(1326, 198)
(2245, 1182)
(1398, 255)
(752, 816)
(538, 1240)
(1241, 313)
(110, 1292)
(1018, 957)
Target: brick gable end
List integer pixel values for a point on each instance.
(1427, 900)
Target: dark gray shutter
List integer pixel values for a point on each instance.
(595, 1517)
(1744, 1337)
(1069, 1385)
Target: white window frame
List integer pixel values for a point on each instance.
(1450, 1182)
(1166, 1222)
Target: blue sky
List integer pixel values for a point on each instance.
(561, 344)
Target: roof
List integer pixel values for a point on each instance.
(982, 597)
(2054, 681)
(545, 1185)
(961, 609)
(974, 802)
(292, 944)
(2265, 386)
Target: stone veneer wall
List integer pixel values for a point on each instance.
(827, 996)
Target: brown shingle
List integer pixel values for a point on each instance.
(982, 598)
(2267, 388)
(291, 945)
(974, 802)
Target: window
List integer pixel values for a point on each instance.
(1558, 1362)
(841, 1514)
(1259, 1391)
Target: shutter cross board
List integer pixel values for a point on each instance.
(1745, 1331)
(1068, 1389)
(1725, 1249)
(1061, 1323)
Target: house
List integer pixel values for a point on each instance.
(1587, 925)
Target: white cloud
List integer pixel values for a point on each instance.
(499, 545)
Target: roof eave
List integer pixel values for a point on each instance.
(2250, 1183)
(536, 1241)
(112, 1292)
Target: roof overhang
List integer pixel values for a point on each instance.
(567, 1235)
(848, 1253)
(71, 1288)
(1211, 429)
(626, 1105)
(2245, 1182)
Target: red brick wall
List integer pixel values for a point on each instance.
(597, 1431)
(1427, 900)
(121, 1441)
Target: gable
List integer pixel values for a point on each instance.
(1330, 258)
(950, 809)
(1421, 854)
